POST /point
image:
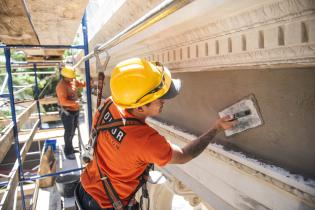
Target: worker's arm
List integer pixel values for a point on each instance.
(194, 148)
(63, 100)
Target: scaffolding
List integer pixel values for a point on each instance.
(17, 176)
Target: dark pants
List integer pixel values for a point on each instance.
(88, 203)
(70, 123)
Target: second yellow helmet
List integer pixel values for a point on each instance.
(68, 72)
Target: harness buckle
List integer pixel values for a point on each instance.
(104, 178)
(89, 148)
(93, 136)
(118, 205)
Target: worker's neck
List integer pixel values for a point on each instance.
(67, 80)
(137, 114)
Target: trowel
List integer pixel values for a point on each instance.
(246, 112)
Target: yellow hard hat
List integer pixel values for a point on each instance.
(136, 82)
(68, 72)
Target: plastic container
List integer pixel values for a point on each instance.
(52, 143)
(66, 184)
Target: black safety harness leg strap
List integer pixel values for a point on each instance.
(108, 187)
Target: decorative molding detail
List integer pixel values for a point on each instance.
(297, 56)
(272, 35)
(303, 192)
(180, 189)
(162, 194)
(280, 11)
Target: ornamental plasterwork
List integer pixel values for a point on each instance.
(161, 195)
(302, 192)
(263, 15)
(275, 34)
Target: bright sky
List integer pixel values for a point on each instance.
(99, 12)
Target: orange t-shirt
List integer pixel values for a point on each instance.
(123, 159)
(67, 94)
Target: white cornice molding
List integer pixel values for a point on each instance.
(296, 56)
(272, 35)
(264, 177)
(282, 11)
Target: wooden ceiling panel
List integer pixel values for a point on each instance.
(15, 26)
(56, 21)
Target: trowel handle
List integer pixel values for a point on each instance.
(240, 114)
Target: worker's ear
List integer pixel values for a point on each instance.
(140, 109)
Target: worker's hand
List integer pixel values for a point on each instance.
(225, 123)
(77, 106)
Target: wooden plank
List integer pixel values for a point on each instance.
(5, 143)
(47, 130)
(23, 117)
(56, 27)
(15, 24)
(44, 134)
(50, 118)
(47, 117)
(48, 100)
(7, 139)
(8, 197)
(30, 72)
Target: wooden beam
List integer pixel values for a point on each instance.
(29, 72)
(51, 118)
(8, 197)
(48, 100)
(16, 27)
(44, 134)
(23, 117)
(47, 117)
(7, 139)
(26, 131)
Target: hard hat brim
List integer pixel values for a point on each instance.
(68, 72)
(174, 89)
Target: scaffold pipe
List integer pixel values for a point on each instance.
(161, 11)
(7, 54)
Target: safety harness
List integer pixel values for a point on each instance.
(107, 125)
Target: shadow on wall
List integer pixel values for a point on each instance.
(286, 98)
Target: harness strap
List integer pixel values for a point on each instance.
(94, 133)
(103, 111)
(117, 123)
(143, 179)
(108, 187)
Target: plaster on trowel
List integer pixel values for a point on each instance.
(246, 111)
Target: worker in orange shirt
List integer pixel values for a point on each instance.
(67, 93)
(125, 145)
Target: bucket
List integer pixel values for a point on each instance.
(66, 184)
(52, 143)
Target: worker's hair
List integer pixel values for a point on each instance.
(129, 110)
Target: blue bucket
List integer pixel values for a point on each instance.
(52, 143)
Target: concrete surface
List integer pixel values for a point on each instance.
(286, 98)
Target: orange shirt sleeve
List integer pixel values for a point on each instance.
(96, 115)
(156, 150)
(62, 97)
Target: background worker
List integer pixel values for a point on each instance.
(139, 89)
(67, 94)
